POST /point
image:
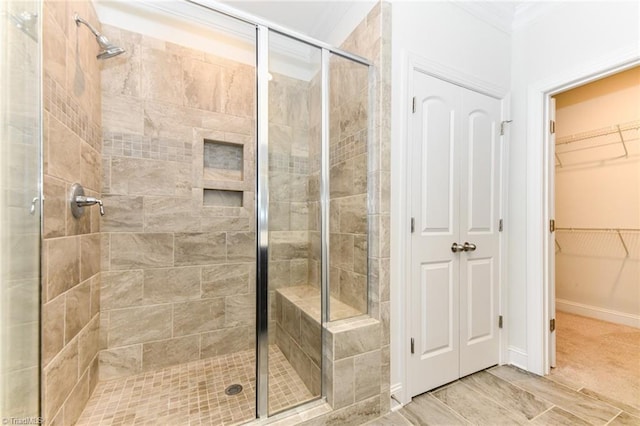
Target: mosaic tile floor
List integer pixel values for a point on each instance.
(194, 393)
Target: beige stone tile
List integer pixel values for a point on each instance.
(425, 409)
(96, 285)
(53, 45)
(357, 414)
(200, 248)
(122, 114)
(367, 375)
(240, 310)
(624, 419)
(202, 85)
(90, 168)
(226, 341)
(121, 289)
(64, 152)
(89, 256)
(59, 378)
(357, 340)
(576, 403)
(120, 362)
(170, 352)
(55, 207)
(171, 284)
(360, 251)
(163, 120)
(238, 91)
(508, 395)
(52, 328)
(139, 324)
(353, 214)
(212, 224)
(170, 214)
(288, 245)
(475, 407)
(241, 246)
(77, 399)
(311, 338)
(353, 290)
(124, 213)
(391, 419)
(77, 310)
(88, 343)
(227, 279)
(198, 316)
(94, 373)
(557, 416)
(137, 250)
(161, 76)
(63, 265)
(134, 176)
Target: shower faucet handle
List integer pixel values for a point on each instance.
(83, 201)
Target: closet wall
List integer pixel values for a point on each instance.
(598, 189)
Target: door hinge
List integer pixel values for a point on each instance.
(501, 225)
(552, 126)
(413, 225)
(413, 346)
(500, 321)
(552, 225)
(413, 105)
(502, 124)
(552, 325)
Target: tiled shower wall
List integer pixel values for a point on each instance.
(348, 140)
(178, 281)
(71, 250)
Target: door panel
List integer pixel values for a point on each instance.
(454, 198)
(479, 169)
(437, 159)
(480, 163)
(437, 315)
(435, 207)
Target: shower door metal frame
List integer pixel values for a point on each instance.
(263, 28)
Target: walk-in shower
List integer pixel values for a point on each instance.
(229, 277)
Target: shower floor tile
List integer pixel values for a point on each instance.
(194, 393)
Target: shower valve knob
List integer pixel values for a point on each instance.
(79, 201)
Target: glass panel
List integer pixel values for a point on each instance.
(179, 153)
(348, 229)
(19, 209)
(294, 223)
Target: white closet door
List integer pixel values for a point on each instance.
(479, 216)
(455, 198)
(435, 209)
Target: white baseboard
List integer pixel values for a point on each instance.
(518, 357)
(598, 313)
(396, 391)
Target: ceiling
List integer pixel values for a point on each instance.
(330, 21)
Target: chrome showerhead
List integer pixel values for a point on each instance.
(109, 50)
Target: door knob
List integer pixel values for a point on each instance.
(469, 246)
(455, 247)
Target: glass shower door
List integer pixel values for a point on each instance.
(295, 111)
(20, 153)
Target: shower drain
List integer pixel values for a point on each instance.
(233, 389)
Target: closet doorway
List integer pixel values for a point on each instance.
(597, 238)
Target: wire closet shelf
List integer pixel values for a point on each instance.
(606, 143)
(621, 233)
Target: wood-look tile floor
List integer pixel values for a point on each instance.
(596, 382)
(194, 393)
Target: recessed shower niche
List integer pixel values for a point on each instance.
(223, 163)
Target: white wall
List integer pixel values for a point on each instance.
(565, 39)
(596, 188)
(454, 36)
